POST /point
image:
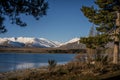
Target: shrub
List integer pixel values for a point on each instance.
(51, 64)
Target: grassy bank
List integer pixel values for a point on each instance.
(64, 72)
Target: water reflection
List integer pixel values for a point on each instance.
(32, 65)
(12, 61)
(24, 65)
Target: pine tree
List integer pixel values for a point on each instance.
(92, 31)
(107, 17)
(13, 9)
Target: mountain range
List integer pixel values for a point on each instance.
(37, 42)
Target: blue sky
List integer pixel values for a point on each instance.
(63, 22)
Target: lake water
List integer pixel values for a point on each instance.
(15, 61)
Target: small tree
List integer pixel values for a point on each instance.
(52, 64)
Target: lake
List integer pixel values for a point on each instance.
(16, 61)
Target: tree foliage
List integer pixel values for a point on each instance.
(104, 16)
(92, 31)
(13, 9)
(96, 41)
(107, 17)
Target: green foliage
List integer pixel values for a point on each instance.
(107, 17)
(95, 42)
(89, 10)
(92, 31)
(14, 9)
(110, 5)
(104, 16)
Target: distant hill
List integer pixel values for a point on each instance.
(74, 45)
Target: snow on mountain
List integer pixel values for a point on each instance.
(48, 42)
(15, 44)
(71, 41)
(58, 43)
(2, 40)
(28, 42)
(33, 42)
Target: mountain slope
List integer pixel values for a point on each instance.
(27, 42)
(74, 45)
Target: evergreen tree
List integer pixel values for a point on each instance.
(92, 31)
(107, 17)
(13, 9)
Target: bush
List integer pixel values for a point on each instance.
(51, 64)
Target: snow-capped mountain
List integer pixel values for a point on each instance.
(73, 44)
(15, 44)
(33, 42)
(71, 41)
(27, 42)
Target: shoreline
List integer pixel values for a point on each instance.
(42, 50)
(44, 71)
(20, 72)
(42, 67)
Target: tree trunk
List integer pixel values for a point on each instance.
(89, 55)
(116, 41)
(116, 51)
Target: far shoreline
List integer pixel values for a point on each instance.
(42, 50)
